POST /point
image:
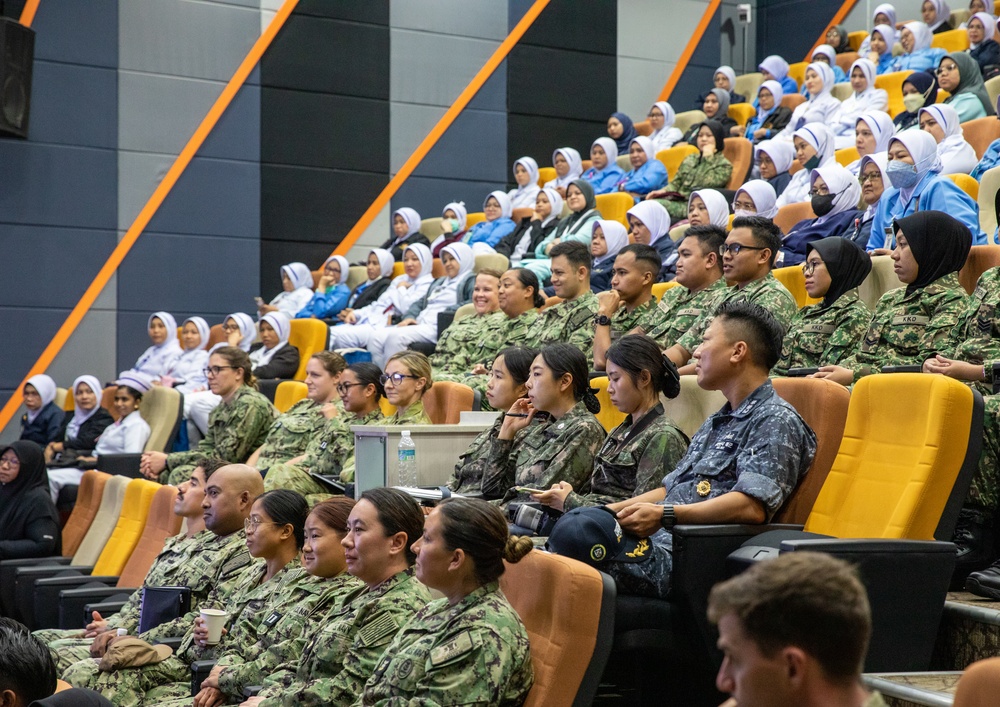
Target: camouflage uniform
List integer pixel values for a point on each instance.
(235, 430)
(472, 653)
(821, 335)
(767, 292)
(697, 172)
(328, 454)
(468, 474)
(247, 663)
(188, 562)
(679, 309)
(290, 434)
(343, 648)
(550, 451)
(457, 349)
(907, 329)
(761, 449)
(571, 322)
(413, 415)
(644, 316)
(626, 466)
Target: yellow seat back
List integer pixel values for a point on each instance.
(904, 444)
(892, 83)
(846, 156)
(288, 393)
(673, 156)
(966, 183)
(388, 409)
(546, 174)
(797, 71)
(742, 113)
(138, 497)
(614, 206)
(795, 282)
(661, 287)
(609, 416)
(856, 38)
(308, 336)
(955, 40)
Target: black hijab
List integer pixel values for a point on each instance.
(847, 263)
(940, 244)
(720, 135)
(31, 475)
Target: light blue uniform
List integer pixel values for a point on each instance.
(933, 193)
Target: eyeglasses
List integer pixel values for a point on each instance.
(396, 378)
(12, 462)
(215, 370)
(946, 69)
(809, 267)
(230, 327)
(735, 248)
(817, 192)
(744, 206)
(344, 388)
(251, 524)
(873, 177)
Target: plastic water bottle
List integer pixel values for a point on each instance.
(407, 460)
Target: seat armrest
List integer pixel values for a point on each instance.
(24, 588)
(73, 603)
(120, 465)
(172, 641)
(105, 608)
(868, 545)
(199, 673)
(71, 582)
(8, 578)
(46, 596)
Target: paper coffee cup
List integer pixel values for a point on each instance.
(214, 620)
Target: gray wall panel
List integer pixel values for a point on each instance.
(90, 350)
(237, 134)
(77, 32)
(70, 103)
(473, 148)
(485, 19)
(171, 109)
(185, 37)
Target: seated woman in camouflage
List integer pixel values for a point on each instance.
(632, 459)
(562, 435)
(407, 377)
(274, 535)
(235, 428)
(469, 647)
(245, 664)
(343, 646)
(826, 332)
(505, 387)
(911, 324)
(458, 343)
(331, 452)
(291, 432)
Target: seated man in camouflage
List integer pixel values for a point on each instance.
(747, 260)
(629, 304)
(741, 465)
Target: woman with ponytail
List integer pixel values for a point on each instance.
(484, 644)
(561, 435)
(639, 452)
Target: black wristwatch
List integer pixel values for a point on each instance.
(602, 320)
(668, 520)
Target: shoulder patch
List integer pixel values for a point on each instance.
(383, 625)
(237, 562)
(454, 647)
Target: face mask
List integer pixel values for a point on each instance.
(822, 204)
(812, 162)
(913, 102)
(740, 213)
(454, 225)
(902, 175)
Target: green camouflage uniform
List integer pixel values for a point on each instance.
(767, 292)
(550, 451)
(820, 335)
(644, 316)
(458, 347)
(247, 663)
(189, 562)
(330, 453)
(679, 309)
(235, 430)
(472, 653)
(697, 172)
(570, 322)
(344, 647)
(907, 329)
(413, 415)
(290, 434)
(468, 474)
(627, 467)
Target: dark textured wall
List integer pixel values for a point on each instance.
(808, 17)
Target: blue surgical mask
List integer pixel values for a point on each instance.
(902, 175)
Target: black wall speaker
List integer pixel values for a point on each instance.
(17, 54)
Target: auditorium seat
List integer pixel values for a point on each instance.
(748, 84)
(62, 396)
(609, 416)
(550, 302)
(844, 61)
(614, 206)
(216, 335)
(793, 101)
(661, 287)
(855, 39)
(308, 336)
(981, 258)
(880, 280)
(568, 611)
(163, 410)
(445, 402)
(288, 393)
(988, 186)
(685, 119)
(494, 261)
(518, 214)
(466, 310)
(546, 174)
(88, 500)
(981, 132)
(993, 89)
(892, 83)
(790, 214)
(692, 406)
(794, 281)
(623, 162)
(742, 113)
(797, 72)
(739, 151)
(841, 91)
(677, 232)
(673, 156)
(642, 127)
(846, 156)
(955, 40)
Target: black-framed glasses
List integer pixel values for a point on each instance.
(809, 267)
(396, 378)
(735, 248)
(344, 388)
(251, 524)
(215, 370)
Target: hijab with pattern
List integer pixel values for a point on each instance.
(847, 263)
(299, 274)
(940, 244)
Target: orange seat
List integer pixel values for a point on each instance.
(551, 302)
(161, 523)
(445, 401)
(88, 500)
(516, 216)
(215, 335)
(643, 128)
(108, 401)
(739, 151)
(981, 258)
(845, 60)
(791, 214)
(980, 133)
(793, 101)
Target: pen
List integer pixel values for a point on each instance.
(515, 414)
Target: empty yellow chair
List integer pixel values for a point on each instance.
(892, 83)
(138, 497)
(797, 71)
(546, 174)
(673, 156)
(846, 156)
(614, 206)
(609, 416)
(956, 40)
(795, 281)
(288, 393)
(742, 113)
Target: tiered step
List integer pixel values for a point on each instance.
(914, 689)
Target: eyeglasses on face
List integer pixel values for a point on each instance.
(735, 248)
(251, 524)
(809, 267)
(396, 378)
(744, 206)
(215, 370)
(873, 177)
(12, 462)
(344, 388)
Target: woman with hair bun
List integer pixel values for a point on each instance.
(562, 435)
(485, 644)
(639, 451)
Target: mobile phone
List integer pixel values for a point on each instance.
(909, 368)
(259, 301)
(801, 372)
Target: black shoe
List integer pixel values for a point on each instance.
(973, 540)
(985, 583)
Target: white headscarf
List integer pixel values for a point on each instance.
(827, 51)
(299, 274)
(888, 36)
(556, 201)
(345, 267)
(718, 207)
(782, 153)
(818, 135)
(204, 331)
(762, 195)
(870, 72)
(157, 359)
(506, 209)
(728, 72)
(922, 36)
(615, 235)
(989, 26)
(282, 326)
(881, 126)
(523, 197)
(923, 149)
(957, 156)
(423, 254)
(774, 65)
(248, 330)
(825, 75)
(412, 219)
(885, 9)
(841, 183)
(46, 388)
(941, 13)
(653, 216)
(385, 260)
(667, 135)
(79, 414)
(609, 147)
(575, 167)
(647, 146)
(462, 214)
(462, 252)
(880, 160)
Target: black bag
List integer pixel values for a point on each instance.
(162, 604)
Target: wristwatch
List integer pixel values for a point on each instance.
(602, 320)
(668, 520)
